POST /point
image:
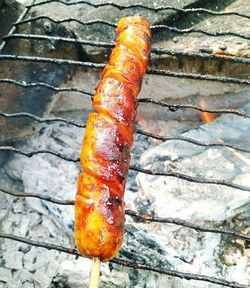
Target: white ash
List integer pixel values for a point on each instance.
(40, 220)
(203, 204)
(5, 275)
(159, 245)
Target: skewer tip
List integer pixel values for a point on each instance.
(95, 273)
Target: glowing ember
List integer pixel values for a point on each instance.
(205, 116)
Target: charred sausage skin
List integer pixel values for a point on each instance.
(105, 155)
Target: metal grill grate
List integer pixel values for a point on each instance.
(171, 107)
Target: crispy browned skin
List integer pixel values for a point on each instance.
(105, 156)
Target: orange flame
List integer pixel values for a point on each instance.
(205, 116)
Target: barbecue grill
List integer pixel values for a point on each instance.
(160, 57)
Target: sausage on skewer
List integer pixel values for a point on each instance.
(105, 155)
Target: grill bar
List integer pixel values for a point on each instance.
(62, 39)
(51, 60)
(194, 30)
(222, 57)
(156, 51)
(184, 223)
(42, 84)
(134, 265)
(182, 176)
(190, 140)
(43, 120)
(13, 29)
(37, 195)
(171, 107)
(182, 275)
(154, 27)
(71, 19)
(138, 130)
(156, 9)
(134, 214)
(189, 178)
(40, 244)
(222, 79)
(175, 107)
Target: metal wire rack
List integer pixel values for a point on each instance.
(172, 107)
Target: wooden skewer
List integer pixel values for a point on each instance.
(94, 273)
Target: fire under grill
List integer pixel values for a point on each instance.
(87, 63)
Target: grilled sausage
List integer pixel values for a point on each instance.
(105, 155)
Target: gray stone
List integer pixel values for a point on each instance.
(3, 204)
(119, 279)
(24, 226)
(43, 260)
(52, 267)
(50, 225)
(13, 260)
(14, 170)
(41, 278)
(5, 274)
(14, 284)
(17, 206)
(23, 276)
(76, 272)
(35, 218)
(36, 205)
(18, 277)
(29, 259)
(28, 285)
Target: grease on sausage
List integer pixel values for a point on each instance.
(105, 155)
